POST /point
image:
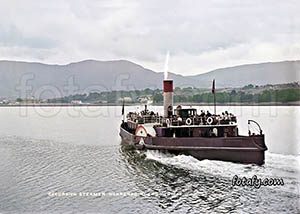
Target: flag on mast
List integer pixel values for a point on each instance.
(213, 87)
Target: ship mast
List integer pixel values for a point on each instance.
(213, 90)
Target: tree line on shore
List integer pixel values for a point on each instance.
(187, 95)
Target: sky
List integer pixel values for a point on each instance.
(199, 35)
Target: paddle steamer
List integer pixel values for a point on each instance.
(185, 131)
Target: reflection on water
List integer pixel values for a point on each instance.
(63, 154)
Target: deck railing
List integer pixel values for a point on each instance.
(174, 121)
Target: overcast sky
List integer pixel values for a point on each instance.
(200, 35)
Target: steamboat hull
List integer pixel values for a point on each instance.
(240, 149)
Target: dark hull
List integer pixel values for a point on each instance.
(241, 149)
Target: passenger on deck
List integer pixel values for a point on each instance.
(226, 115)
(222, 116)
(208, 114)
(202, 113)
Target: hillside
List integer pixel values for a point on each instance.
(257, 74)
(124, 75)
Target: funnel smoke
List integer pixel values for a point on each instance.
(166, 68)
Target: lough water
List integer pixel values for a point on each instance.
(69, 160)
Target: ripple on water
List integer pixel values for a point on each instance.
(163, 182)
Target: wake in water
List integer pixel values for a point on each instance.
(276, 166)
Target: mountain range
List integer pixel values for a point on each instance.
(20, 79)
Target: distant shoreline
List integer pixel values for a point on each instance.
(139, 104)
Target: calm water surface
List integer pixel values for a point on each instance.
(69, 160)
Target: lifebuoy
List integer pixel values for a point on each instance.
(188, 121)
(168, 122)
(209, 120)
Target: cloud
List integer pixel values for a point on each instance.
(200, 35)
(11, 36)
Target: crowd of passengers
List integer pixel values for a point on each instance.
(203, 116)
(225, 115)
